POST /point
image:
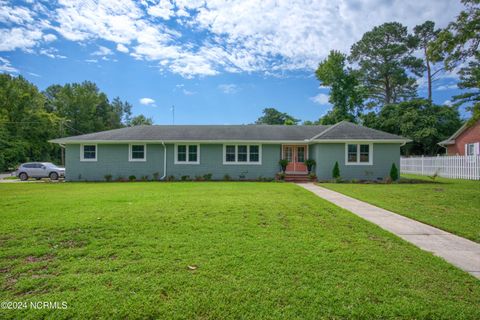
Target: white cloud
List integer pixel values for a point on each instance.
(18, 38)
(51, 53)
(268, 36)
(188, 92)
(229, 88)
(147, 101)
(102, 51)
(17, 14)
(447, 102)
(49, 37)
(164, 9)
(444, 87)
(122, 48)
(91, 60)
(5, 66)
(320, 98)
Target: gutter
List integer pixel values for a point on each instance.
(164, 161)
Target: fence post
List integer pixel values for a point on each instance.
(422, 165)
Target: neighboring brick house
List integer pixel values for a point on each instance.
(466, 141)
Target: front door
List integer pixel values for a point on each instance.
(296, 156)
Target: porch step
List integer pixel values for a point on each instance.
(297, 177)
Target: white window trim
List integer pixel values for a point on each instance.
(358, 163)
(81, 152)
(236, 162)
(186, 159)
(144, 159)
(475, 149)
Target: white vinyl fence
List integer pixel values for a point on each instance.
(457, 167)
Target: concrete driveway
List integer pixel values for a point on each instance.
(5, 175)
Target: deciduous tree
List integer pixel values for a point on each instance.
(273, 116)
(346, 95)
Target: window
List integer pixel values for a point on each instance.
(181, 153)
(470, 149)
(301, 154)
(88, 152)
(352, 153)
(187, 154)
(254, 154)
(364, 153)
(242, 154)
(358, 154)
(289, 153)
(137, 152)
(192, 153)
(230, 154)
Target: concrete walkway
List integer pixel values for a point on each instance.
(460, 252)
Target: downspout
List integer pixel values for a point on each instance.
(164, 161)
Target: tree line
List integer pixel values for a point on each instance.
(29, 117)
(376, 84)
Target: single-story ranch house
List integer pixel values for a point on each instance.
(240, 151)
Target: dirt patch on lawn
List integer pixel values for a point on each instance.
(33, 259)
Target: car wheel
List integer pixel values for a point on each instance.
(53, 176)
(23, 176)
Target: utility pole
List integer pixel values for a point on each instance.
(62, 135)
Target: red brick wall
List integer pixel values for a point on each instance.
(471, 135)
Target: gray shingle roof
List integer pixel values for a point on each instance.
(347, 130)
(341, 130)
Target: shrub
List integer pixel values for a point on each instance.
(280, 176)
(156, 175)
(144, 178)
(207, 177)
(171, 178)
(199, 178)
(132, 178)
(336, 171)
(312, 176)
(394, 172)
(310, 163)
(185, 178)
(283, 164)
(120, 179)
(227, 177)
(108, 177)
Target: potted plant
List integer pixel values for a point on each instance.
(283, 164)
(310, 163)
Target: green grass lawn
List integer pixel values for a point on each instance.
(259, 250)
(449, 204)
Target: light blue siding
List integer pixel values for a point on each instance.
(113, 159)
(326, 154)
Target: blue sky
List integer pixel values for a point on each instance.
(217, 62)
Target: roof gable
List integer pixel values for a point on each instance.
(345, 130)
(457, 133)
